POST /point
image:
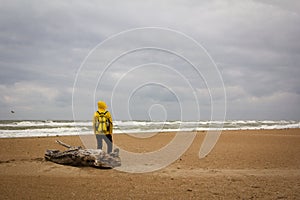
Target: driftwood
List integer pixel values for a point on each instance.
(77, 156)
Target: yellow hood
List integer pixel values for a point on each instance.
(102, 105)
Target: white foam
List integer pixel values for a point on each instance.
(52, 128)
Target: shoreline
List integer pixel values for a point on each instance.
(262, 164)
(154, 132)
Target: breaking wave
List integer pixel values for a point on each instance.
(36, 128)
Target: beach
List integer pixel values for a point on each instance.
(246, 164)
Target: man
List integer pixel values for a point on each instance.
(103, 126)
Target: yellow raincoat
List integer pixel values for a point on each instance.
(102, 108)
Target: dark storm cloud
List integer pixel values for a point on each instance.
(254, 43)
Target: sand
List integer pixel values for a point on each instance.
(262, 164)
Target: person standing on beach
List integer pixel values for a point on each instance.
(103, 126)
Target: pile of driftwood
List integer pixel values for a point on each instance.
(77, 156)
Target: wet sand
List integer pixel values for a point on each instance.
(260, 164)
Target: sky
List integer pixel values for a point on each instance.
(154, 60)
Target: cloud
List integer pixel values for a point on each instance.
(28, 98)
(254, 44)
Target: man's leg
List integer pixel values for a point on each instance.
(99, 141)
(109, 142)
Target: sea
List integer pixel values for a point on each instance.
(40, 128)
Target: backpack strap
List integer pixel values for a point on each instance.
(101, 112)
(104, 114)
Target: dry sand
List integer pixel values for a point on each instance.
(262, 164)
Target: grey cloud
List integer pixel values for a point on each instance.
(254, 43)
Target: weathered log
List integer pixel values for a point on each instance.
(77, 156)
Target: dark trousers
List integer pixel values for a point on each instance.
(107, 139)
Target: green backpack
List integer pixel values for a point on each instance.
(102, 124)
